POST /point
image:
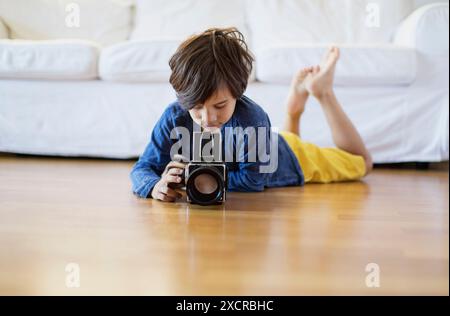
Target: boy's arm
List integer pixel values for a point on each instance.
(248, 177)
(151, 164)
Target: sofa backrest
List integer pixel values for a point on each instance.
(274, 22)
(264, 22)
(178, 19)
(103, 21)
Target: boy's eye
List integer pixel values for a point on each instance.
(220, 106)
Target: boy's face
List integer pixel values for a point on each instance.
(216, 111)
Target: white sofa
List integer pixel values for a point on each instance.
(90, 78)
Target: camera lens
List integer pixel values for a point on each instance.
(205, 186)
(205, 183)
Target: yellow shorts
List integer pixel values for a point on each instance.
(325, 165)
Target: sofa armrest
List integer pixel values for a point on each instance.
(426, 29)
(3, 30)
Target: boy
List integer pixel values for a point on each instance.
(209, 74)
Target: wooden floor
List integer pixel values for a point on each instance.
(317, 239)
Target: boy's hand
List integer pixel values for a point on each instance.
(171, 175)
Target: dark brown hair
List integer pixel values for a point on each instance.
(208, 61)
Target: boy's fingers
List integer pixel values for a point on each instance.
(168, 192)
(160, 196)
(175, 171)
(175, 164)
(168, 198)
(164, 189)
(172, 179)
(165, 198)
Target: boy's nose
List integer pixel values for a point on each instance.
(208, 117)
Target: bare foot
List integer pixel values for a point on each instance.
(320, 80)
(298, 94)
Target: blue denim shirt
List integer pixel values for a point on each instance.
(244, 174)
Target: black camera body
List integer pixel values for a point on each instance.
(205, 177)
(206, 183)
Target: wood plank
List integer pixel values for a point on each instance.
(289, 241)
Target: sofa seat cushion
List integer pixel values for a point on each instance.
(382, 64)
(56, 59)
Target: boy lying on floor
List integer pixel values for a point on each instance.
(210, 72)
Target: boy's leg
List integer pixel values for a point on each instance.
(319, 83)
(297, 98)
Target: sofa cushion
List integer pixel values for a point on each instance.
(137, 61)
(57, 59)
(427, 30)
(102, 21)
(274, 22)
(178, 19)
(140, 61)
(358, 65)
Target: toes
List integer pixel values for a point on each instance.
(335, 49)
(330, 58)
(338, 52)
(333, 54)
(309, 72)
(316, 70)
(301, 74)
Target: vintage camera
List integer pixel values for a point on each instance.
(205, 176)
